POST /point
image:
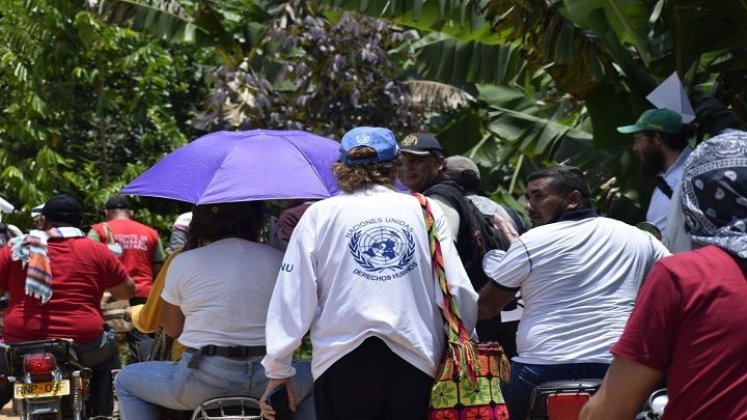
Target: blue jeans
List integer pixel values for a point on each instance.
(144, 388)
(524, 377)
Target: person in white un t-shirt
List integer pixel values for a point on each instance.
(579, 275)
(357, 272)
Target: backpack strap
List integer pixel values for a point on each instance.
(109, 233)
(663, 185)
(451, 191)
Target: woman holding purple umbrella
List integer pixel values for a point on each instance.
(215, 302)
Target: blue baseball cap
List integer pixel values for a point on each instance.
(382, 140)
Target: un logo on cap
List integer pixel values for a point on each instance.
(410, 140)
(363, 139)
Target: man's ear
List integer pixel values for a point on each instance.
(441, 161)
(657, 139)
(573, 200)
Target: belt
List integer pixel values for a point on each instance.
(233, 352)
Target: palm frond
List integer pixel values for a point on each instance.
(438, 96)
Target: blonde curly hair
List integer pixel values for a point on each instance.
(355, 177)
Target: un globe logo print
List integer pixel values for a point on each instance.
(383, 252)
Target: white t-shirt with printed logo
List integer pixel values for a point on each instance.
(359, 265)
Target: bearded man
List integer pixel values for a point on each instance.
(660, 141)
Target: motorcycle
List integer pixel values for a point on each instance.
(655, 405)
(561, 400)
(228, 408)
(49, 381)
(222, 408)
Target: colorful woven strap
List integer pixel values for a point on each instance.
(457, 336)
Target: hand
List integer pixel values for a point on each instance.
(264, 405)
(505, 227)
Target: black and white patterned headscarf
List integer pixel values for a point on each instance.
(714, 193)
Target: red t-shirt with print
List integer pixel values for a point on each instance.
(141, 248)
(81, 270)
(689, 321)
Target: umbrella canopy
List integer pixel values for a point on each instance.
(230, 166)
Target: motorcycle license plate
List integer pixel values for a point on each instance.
(42, 389)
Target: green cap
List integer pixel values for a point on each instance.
(662, 120)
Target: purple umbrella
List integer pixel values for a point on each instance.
(227, 166)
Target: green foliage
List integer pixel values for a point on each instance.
(608, 53)
(231, 27)
(317, 75)
(535, 82)
(86, 106)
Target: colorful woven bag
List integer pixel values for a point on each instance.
(467, 385)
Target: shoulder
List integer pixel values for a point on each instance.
(6, 250)
(97, 229)
(621, 227)
(710, 258)
(262, 250)
(443, 200)
(139, 225)
(88, 247)
(447, 189)
(543, 232)
(152, 232)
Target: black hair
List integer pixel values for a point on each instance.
(565, 180)
(469, 180)
(212, 222)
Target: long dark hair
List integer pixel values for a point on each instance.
(212, 222)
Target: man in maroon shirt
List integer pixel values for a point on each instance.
(67, 304)
(688, 324)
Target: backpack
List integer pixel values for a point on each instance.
(477, 234)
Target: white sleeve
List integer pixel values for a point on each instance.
(514, 267)
(459, 283)
(660, 251)
(293, 303)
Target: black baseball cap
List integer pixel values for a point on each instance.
(420, 144)
(63, 208)
(118, 202)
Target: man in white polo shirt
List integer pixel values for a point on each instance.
(579, 275)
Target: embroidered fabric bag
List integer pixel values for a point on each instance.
(467, 385)
(455, 398)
